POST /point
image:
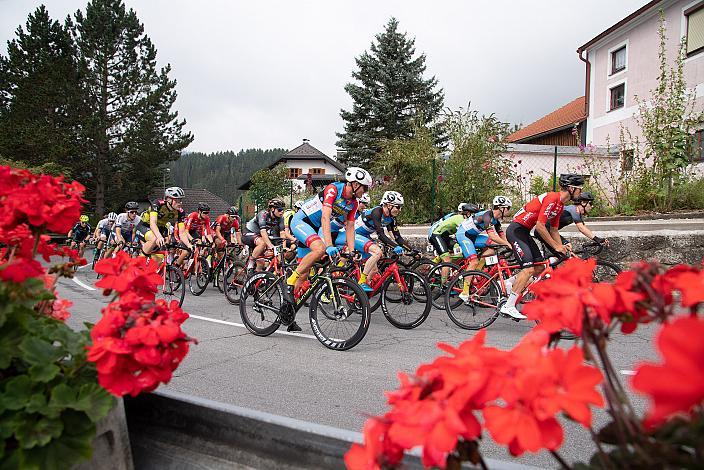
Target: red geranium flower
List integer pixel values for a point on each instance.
(377, 452)
(123, 273)
(20, 269)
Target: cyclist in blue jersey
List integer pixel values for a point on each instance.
(323, 216)
(79, 235)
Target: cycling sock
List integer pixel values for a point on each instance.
(465, 287)
(291, 281)
(362, 278)
(511, 302)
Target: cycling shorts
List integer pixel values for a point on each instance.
(470, 244)
(441, 242)
(301, 227)
(250, 239)
(525, 247)
(361, 243)
(80, 238)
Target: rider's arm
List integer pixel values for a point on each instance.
(495, 237)
(393, 228)
(238, 232)
(183, 235)
(584, 230)
(218, 232)
(118, 235)
(542, 231)
(380, 232)
(349, 235)
(325, 225)
(153, 217)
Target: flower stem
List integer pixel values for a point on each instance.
(560, 460)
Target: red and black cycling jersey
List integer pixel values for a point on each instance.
(545, 208)
(226, 224)
(195, 223)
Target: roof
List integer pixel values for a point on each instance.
(305, 151)
(562, 118)
(624, 21)
(193, 197)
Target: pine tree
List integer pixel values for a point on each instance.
(390, 95)
(40, 95)
(132, 131)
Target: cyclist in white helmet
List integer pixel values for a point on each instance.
(152, 230)
(103, 230)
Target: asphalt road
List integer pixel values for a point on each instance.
(294, 375)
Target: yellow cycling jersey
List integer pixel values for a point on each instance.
(163, 214)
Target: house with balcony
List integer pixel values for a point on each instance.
(622, 63)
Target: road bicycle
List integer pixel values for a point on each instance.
(215, 274)
(403, 294)
(197, 269)
(174, 282)
(338, 308)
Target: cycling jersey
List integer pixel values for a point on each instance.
(545, 208)
(288, 215)
(104, 226)
(435, 224)
(226, 224)
(126, 225)
(80, 232)
(198, 225)
(570, 215)
(447, 224)
(163, 215)
(478, 223)
(343, 209)
(265, 220)
(374, 221)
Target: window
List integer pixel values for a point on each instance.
(697, 154)
(317, 171)
(695, 29)
(627, 160)
(618, 97)
(294, 173)
(618, 60)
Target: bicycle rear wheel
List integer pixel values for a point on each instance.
(339, 313)
(438, 282)
(260, 303)
(198, 282)
(174, 285)
(406, 310)
(481, 307)
(234, 280)
(424, 266)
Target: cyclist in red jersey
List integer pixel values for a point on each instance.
(540, 213)
(224, 225)
(198, 223)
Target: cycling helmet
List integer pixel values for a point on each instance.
(365, 199)
(131, 206)
(358, 175)
(232, 211)
(467, 207)
(277, 203)
(501, 201)
(571, 180)
(392, 197)
(203, 207)
(174, 192)
(586, 196)
(298, 204)
(84, 218)
(112, 216)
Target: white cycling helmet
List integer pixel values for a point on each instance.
(392, 197)
(365, 199)
(355, 174)
(460, 207)
(174, 192)
(112, 217)
(502, 201)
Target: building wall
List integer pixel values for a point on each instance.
(306, 165)
(563, 137)
(642, 69)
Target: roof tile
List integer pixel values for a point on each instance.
(567, 115)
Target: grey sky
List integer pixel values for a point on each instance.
(269, 73)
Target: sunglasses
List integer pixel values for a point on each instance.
(205, 212)
(131, 212)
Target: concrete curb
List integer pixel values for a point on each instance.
(171, 430)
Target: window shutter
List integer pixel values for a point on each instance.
(695, 30)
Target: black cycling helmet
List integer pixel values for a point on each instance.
(233, 211)
(277, 203)
(131, 206)
(586, 196)
(468, 207)
(203, 207)
(571, 179)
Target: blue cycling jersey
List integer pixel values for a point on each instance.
(365, 224)
(331, 196)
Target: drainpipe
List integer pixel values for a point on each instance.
(587, 80)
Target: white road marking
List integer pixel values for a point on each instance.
(628, 372)
(85, 286)
(215, 320)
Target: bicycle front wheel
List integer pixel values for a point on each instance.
(260, 303)
(339, 313)
(605, 271)
(235, 277)
(174, 285)
(198, 282)
(406, 308)
(478, 295)
(438, 279)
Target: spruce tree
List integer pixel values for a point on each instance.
(132, 130)
(389, 97)
(40, 95)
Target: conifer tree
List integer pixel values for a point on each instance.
(389, 96)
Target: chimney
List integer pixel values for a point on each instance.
(305, 141)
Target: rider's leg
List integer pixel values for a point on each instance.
(317, 251)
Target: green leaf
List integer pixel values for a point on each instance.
(95, 401)
(74, 445)
(36, 404)
(35, 351)
(43, 372)
(38, 432)
(17, 389)
(9, 422)
(62, 396)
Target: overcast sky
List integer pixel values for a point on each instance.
(270, 73)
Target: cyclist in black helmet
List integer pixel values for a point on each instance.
(268, 222)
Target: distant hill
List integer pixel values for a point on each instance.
(221, 173)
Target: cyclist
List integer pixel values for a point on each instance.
(481, 230)
(79, 235)
(256, 234)
(540, 212)
(126, 224)
(198, 223)
(575, 213)
(224, 226)
(323, 215)
(103, 230)
(374, 221)
(441, 232)
(152, 228)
